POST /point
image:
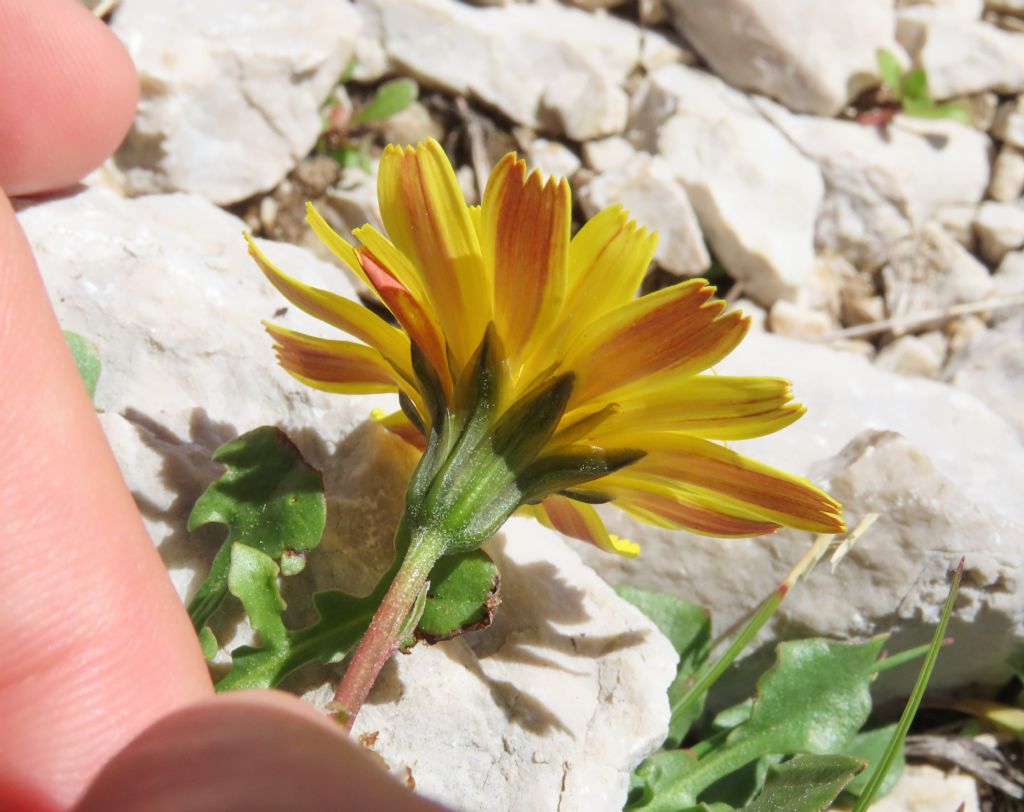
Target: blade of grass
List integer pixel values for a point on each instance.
(882, 767)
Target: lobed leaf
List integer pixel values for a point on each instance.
(269, 498)
(892, 74)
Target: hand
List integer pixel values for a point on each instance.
(101, 673)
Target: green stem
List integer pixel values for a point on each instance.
(384, 635)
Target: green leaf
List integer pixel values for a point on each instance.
(928, 109)
(87, 360)
(891, 73)
(456, 582)
(349, 70)
(869, 746)
(915, 87)
(462, 596)
(814, 699)
(688, 628)
(269, 498)
(391, 97)
(252, 578)
(740, 787)
(207, 643)
(806, 783)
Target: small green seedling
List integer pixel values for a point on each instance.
(87, 360)
(910, 91)
(341, 121)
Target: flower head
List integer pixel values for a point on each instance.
(533, 376)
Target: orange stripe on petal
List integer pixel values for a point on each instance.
(422, 329)
(678, 513)
(425, 215)
(340, 312)
(334, 366)
(735, 480)
(525, 241)
(400, 425)
(679, 330)
(582, 522)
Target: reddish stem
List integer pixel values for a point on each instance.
(383, 636)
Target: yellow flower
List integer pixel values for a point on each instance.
(629, 400)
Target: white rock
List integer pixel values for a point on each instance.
(924, 788)
(910, 355)
(1000, 229)
(1012, 7)
(931, 269)
(506, 57)
(570, 672)
(647, 189)
(411, 125)
(584, 105)
(881, 187)
(991, 366)
(812, 55)
(1007, 175)
(788, 319)
(553, 158)
(735, 166)
(957, 220)
(1008, 279)
(660, 48)
(964, 9)
(551, 707)
(1009, 123)
(961, 57)
(231, 92)
(606, 154)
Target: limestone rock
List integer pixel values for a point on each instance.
(1009, 123)
(949, 486)
(879, 188)
(910, 355)
(788, 319)
(552, 158)
(931, 269)
(551, 707)
(1000, 229)
(964, 9)
(735, 166)
(508, 56)
(1008, 280)
(646, 188)
(1007, 175)
(585, 105)
(606, 154)
(230, 97)
(924, 788)
(812, 55)
(961, 57)
(991, 367)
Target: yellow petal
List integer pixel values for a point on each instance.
(398, 424)
(426, 217)
(582, 522)
(525, 241)
(340, 312)
(679, 330)
(422, 329)
(737, 484)
(676, 509)
(334, 366)
(716, 407)
(337, 244)
(608, 259)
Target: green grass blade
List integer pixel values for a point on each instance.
(882, 767)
